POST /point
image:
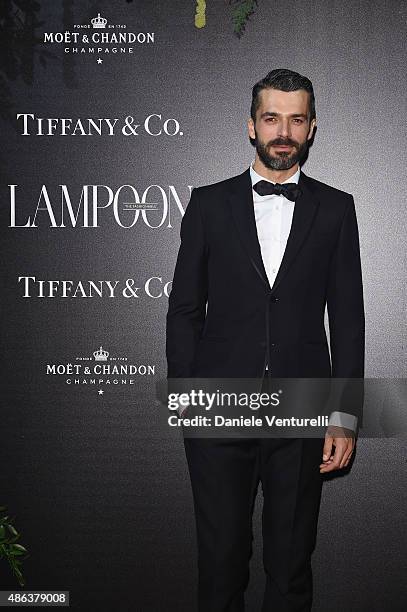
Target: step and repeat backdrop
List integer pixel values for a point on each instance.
(111, 112)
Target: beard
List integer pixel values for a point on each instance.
(282, 160)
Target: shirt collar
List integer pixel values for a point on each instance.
(255, 176)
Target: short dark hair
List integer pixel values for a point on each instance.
(284, 80)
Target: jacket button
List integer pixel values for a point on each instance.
(274, 298)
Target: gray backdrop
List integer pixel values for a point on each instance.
(98, 484)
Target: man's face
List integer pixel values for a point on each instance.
(282, 129)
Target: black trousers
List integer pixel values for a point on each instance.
(225, 474)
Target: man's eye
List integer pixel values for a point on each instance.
(298, 120)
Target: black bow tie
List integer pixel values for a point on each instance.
(291, 191)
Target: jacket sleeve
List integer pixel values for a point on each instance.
(187, 300)
(346, 316)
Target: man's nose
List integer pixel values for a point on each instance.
(284, 129)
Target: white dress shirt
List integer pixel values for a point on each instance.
(274, 214)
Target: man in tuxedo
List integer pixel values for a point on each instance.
(261, 255)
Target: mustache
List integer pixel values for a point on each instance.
(282, 142)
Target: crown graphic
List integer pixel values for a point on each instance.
(98, 22)
(101, 355)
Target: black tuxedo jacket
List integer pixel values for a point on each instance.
(225, 320)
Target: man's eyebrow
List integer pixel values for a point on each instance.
(272, 114)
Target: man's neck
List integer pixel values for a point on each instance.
(277, 176)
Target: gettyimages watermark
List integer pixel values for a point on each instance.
(220, 401)
(284, 407)
(207, 400)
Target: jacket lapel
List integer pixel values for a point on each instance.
(241, 204)
(240, 200)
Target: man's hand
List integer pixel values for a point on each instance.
(344, 441)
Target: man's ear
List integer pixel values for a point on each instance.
(312, 127)
(250, 127)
